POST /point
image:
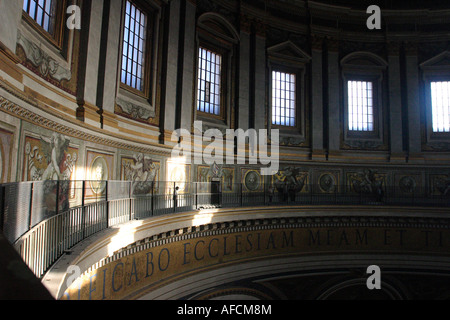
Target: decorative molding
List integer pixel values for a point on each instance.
(361, 59)
(135, 111)
(46, 65)
(437, 63)
(292, 141)
(27, 115)
(289, 51)
(363, 145)
(439, 146)
(9, 54)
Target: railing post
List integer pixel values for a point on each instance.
(175, 199)
(106, 204)
(196, 195)
(83, 209)
(335, 195)
(30, 215)
(265, 198)
(153, 199)
(57, 198)
(241, 195)
(131, 201)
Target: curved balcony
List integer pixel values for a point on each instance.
(46, 219)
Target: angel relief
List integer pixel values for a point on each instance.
(142, 170)
(49, 158)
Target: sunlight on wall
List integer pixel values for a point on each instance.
(203, 218)
(124, 237)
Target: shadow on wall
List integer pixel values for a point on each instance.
(17, 282)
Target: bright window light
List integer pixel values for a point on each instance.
(41, 11)
(440, 97)
(209, 81)
(133, 56)
(360, 106)
(283, 99)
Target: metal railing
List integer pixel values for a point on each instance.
(45, 219)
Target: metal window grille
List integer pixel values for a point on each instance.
(41, 11)
(283, 99)
(440, 97)
(360, 106)
(133, 55)
(209, 81)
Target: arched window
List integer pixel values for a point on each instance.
(363, 75)
(216, 45)
(436, 77)
(288, 66)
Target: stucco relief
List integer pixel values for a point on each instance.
(47, 65)
(367, 182)
(291, 179)
(135, 111)
(49, 158)
(142, 170)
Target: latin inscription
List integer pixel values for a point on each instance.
(156, 265)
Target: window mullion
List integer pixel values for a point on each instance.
(133, 67)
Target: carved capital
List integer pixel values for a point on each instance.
(245, 23)
(249, 24)
(393, 48)
(317, 42)
(333, 44)
(411, 48)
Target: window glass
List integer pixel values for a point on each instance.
(283, 99)
(209, 81)
(133, 55)
(360, 106)
(41, 11)
(440, 98)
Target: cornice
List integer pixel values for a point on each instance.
(9, 54)
(76, 130)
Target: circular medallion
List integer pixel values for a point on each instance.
(178, 175)
(327, 183)
(98, 175)
(252, 181)
(407, 184)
